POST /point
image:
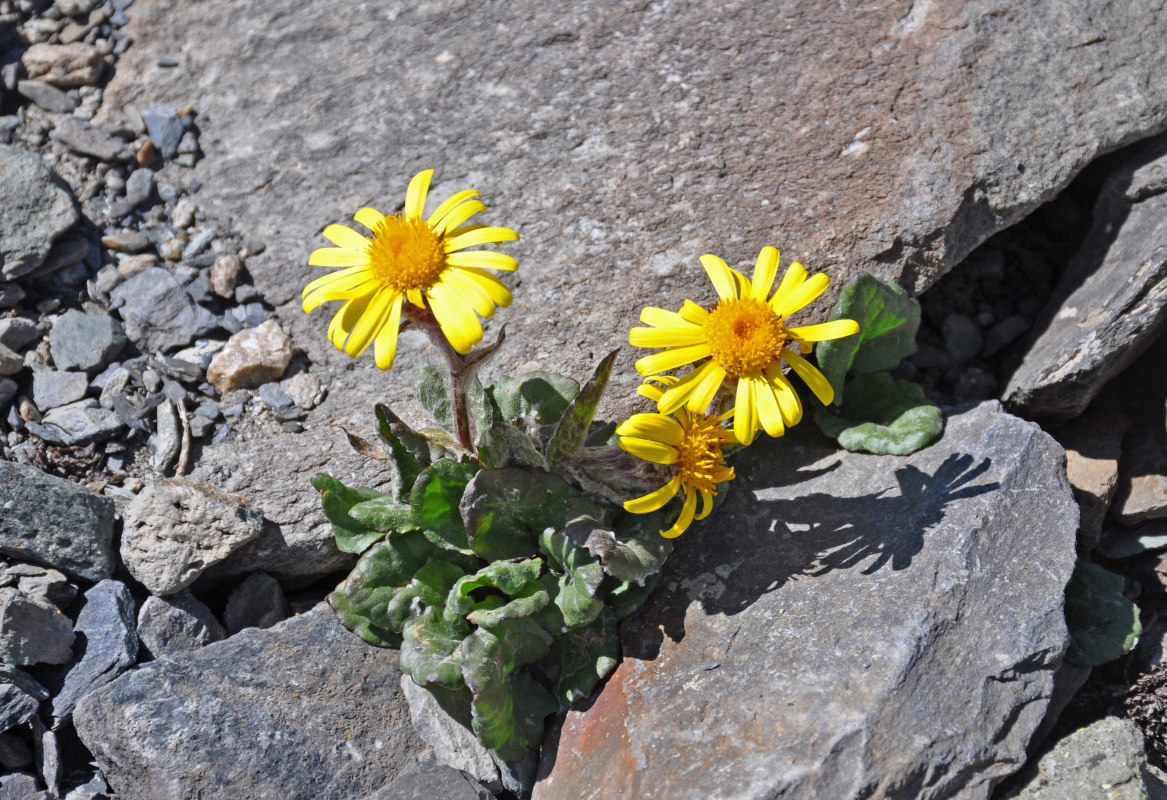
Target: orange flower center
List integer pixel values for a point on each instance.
(406, 253)
(699, 460)
(744, 335)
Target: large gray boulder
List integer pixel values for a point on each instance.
(37, 209)
(301, 711)
(845, 626)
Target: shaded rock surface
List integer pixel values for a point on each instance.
(85, 341)
(455, 746)
(54, 522)
(428, 781)
(849, 626)
(1112, 302)
(37, 209)
(305, 727)
(176, 624)
(894, 137)
(258, 602)
(32, 630)
(77, 423)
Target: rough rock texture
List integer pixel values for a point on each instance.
(1103, 761)
(54, 522)
(158, 313)
(1112, 301)
(63, 65)
(303, 727)
(85, 341)
(77, 423)
(32, 630)
(625, 139)
(176, 624)
(175, 529)
(847, 626)
(429, 781)
(106, 622)
(1093, 445)
(251, 358)
(258, 602)
(37, 209)
(454, 745)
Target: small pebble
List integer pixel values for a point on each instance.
(225, 274)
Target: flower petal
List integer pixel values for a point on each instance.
(419, 187)
(685, 519)
(691, 312)
(769, 413)
(497, 290)
(705, 391)
(788, 399)
(744, 418)
(346, 237)
(671, 358)
(654, 500)
(370, 323)
(342, 285)
(346, 318)
(484, 235)
(817, 382)
(371, 218)
(796, 299)
(436, 218)
(482, 259)
(457, 320)
(836, 329)
(657, 427)
(677, 336)
(649, 450)
(459, 215)
(476, 296)
(706, 505)
(338, 257)
(681, 393)
(385, 343)
(719, 272)
(764, 272)
(794, 277)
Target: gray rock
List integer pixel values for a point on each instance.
(32, 630)
(37, 209)
(962, 337)
(158, 313)
(18, 786)
(88, 140)
(85, 341)
(77, 423)
(258, 602)
(47, 96)
(168, 440)
(53, 389)
(65, 257)
(10, 294)
(139, 186)
(16, 706)
(176, 529)
(273, 396)
(429, 781)
(106, 622)
(164, 127)
(127, 241)
(17, 333)
(307, 728)
(1112, 301)
(305, 389)
(846, 626)
(54, 522)
(42, 582)
(47, 748)
(179, 623)
(14, 753)
(94, 789)
(11, 362)
(1103, 761)
(454, 745)
(8, 390)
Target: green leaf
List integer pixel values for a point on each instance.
(888, 320)
(510, 578)
(530, 600)
(628, 558)
(624, 598)
(435, 499)
(429, 587)
(383, 513)
(572, 430)
(883, 416)
(581, 658)
(433, 392)
(578, 579)
(504, 445)
(1103, 623)
(360, 625)
(480, 407)
(431, 648)
(507, 707)
(381, 573)
(537, 396)
(505, 510)
(407, 450)
(338, 500)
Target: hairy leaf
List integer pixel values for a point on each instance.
(505, 510)
(360, 625)
(541, 397)
(381, 574)
(504, 445)
(883, 416)
(337, 500)
(628, 558)
(1103, 623)
(431, 648)
(509, 578)
(435, 499)
(578, 579)
(571, 432)
(433, 392)
(530, 600)
(405, 447)
(581, 658)
(384, 513)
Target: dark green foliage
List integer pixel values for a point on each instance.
(572, 430)
(581, 658)
(435, 499)
(539, 397)
(404, 447)
(338, 500)
(1103, 623)
(882, 415)
(505, 510)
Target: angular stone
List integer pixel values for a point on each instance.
(88, 140)
(846, 626)
(251, 358)
(37, 209)
(18, 786)
(85, 341)
(428, 781)
(32, 630)
(164, 127)
(1093, 445)
(176, 529)
(14, 753)
(77, 423)
(330, 728)
(258, 602)
(17, 332)
(16, 706)
(106, 622)
(224, 274)
(1104, 760)
(455, 746)
(54, 522)
(139, 186)
(158, 313)
(53, 389)
(8, 389)
(47, 96)
(179, 623)
(1112, 301)
(63, 65)
(11, 362)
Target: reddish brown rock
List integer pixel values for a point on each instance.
(1093, 445)
(63, 65)
(251, 358)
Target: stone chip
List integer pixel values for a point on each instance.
(251, 358)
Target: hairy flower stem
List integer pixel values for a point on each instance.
(459, 369)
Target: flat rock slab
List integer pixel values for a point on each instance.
(845, 626)
(1112, 302)
(37, 209)
(301, 711)
(623, 140)
(54, 522)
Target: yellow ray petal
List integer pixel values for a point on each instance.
(764, 272)
(370, 323)
(476, 296)
(482, 259)
(497, 290)
(457, 320)
(744, 414)
(484, 235)
(691, 312)
(338, 257)
(685, 519)
(649, 450)
(788, 399)
(769, 413)
(343, 285)
(704, 392)
(660, 318)
(654, 500)
(719, 272)
(706, 505)
(666, 337)
(345, 237)
(344, 319)
(385, 342)
(419, 187)
(436, 218)
(742, 283)
(680, 392)
(799, 297)
(656, 427)
(794, 277)
(825, 330)
(369, 217)
(672, 358)
(653, 393)
(459, 215)
(817, 382)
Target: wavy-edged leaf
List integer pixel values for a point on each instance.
(1103, 623)
(504, 445)
(530, 600)
(633, 559)
(429, 587)
(882, 415)
(571, 432)
(435, 499)
(384, 513)
(581, 658)
(433, 392)
(431, 648)
(360, 625)
(508, 578)
(337, 500)
(577, 578)
(382, 572)
(888, 320)
(538, 396)
(404, 448)
(505, 510)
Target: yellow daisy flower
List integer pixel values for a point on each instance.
(423, 261)
(690, 443)
(744, 337)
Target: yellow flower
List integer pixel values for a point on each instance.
(743, 337)
(408, 258)
(690, 443)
